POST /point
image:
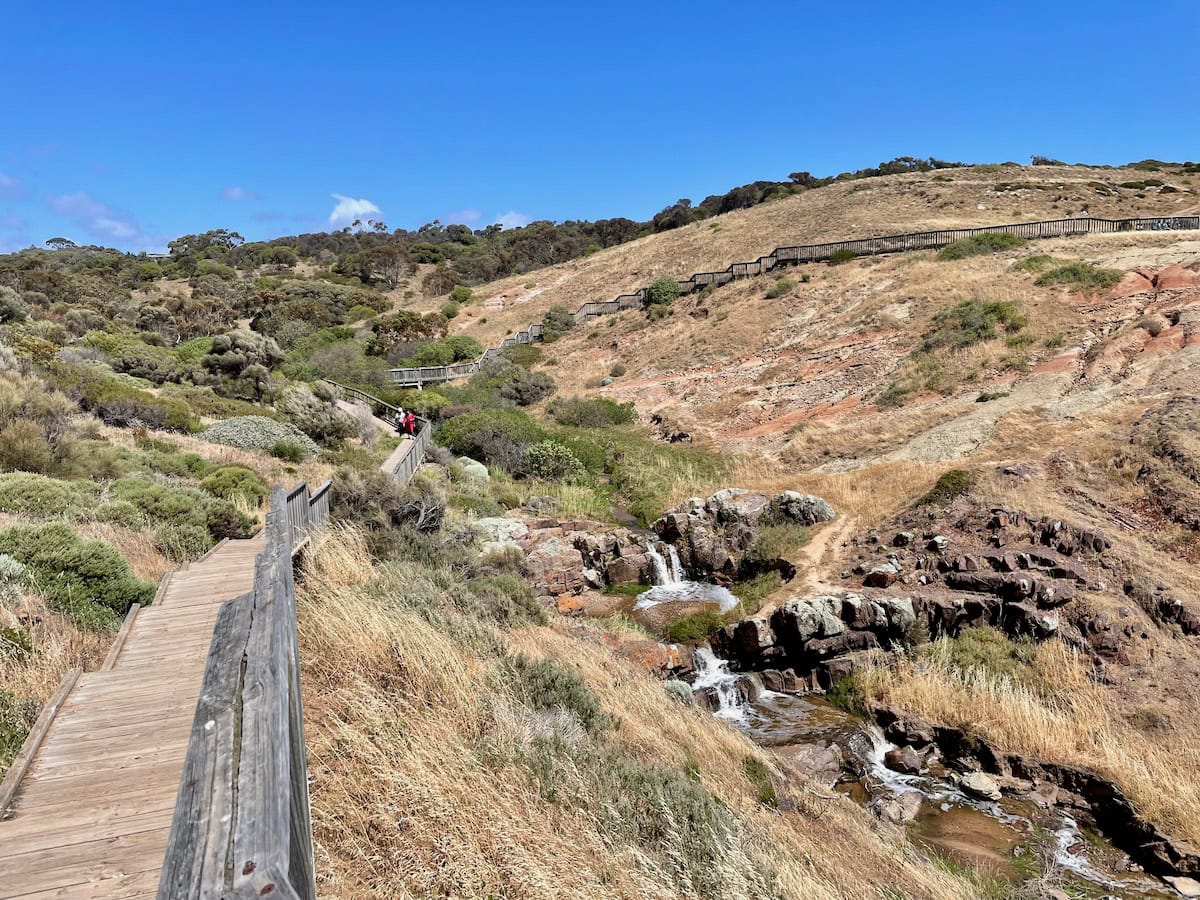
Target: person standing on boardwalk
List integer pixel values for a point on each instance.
(410, 424)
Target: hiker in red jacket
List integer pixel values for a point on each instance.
(410, 424)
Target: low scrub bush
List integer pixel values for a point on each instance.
(40, 497)
(552, 461)
(320, 419)
(950, 485)
(545, 684)
(973, 321)
(88, 581)
(848, 694)
(782, 287)
(508, 600)
(839, 257)
(15, 644)
(663, 292)
(493, 436)
(981, 245)
(17, 717)
(777, 542)
(230, 482)
(1039, 263)
(117, 403)
(288, 451)
(120, 512)
(182, 542)
(597, 412)
(258, 433)
(1080, 276)
(557, 321)
(758, 775)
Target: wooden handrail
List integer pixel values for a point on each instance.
(242, 826)
(794, 255)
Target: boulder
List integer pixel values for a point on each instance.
(474, 469)
(903, 539)
(802, 509)
(1188, 887)
(900, 808)
(500, 529)
(882, 575)
(982, 785)
(630, 569)
(900, 614)
(556, 567)
(904, 760)
(822, 765)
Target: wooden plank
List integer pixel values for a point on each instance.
(119, 641)
(33, 741)
(83, 863)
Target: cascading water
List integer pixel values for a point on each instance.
(671, 584)
(713, 672)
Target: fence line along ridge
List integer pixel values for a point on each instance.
(794, 255)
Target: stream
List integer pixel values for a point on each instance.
(1009, 838)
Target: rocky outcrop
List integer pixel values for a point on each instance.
(1083, 791)
(715, 537)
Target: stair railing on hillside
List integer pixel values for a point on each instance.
(794, 255)
(242, 825)
(406, 466)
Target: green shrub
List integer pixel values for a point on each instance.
(323, 421)
(39, 497)
(839, 257)
(120, 512)
(662, 293)
(988, 650)
(116, 403)
(88, 581)
(694, 627)
(228, 482)
(973, 321)
(224, 520)
(546, 684)
(288, 451)
(508, 600)
(780, 288)
(360, 313)
(597, 412)
(617, 370)
(981, 245)
(182, 542)
(557, 321)
(493, 436)
(552, 461)
(24, 447)
(987, 396)
(460, 295)
(450, 310)
(758, 775)
(17, 717)
(777, 542)
(1039, 263)
(1081, 276)
(204, 401)
(950, 485)
(526, 355)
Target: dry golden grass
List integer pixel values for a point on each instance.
(1063, 717)
(58, 644)
(416, 791)
(945, 199)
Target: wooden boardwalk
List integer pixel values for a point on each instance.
(388, 465)
(91, 815)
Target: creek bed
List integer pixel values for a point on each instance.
(1010, 839)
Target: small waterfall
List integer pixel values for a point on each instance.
(713, 672)
(668, 571)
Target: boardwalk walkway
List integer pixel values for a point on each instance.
(91, 816)
(389, 465)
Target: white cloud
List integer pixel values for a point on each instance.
(513, 219)
(348, 209)
(102, 222)
(10, 188)
(238, 194)
(469, 216)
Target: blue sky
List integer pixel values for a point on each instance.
(129, 124)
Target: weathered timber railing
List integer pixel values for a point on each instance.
(790, 256)
(406, 465)
(241, 825)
